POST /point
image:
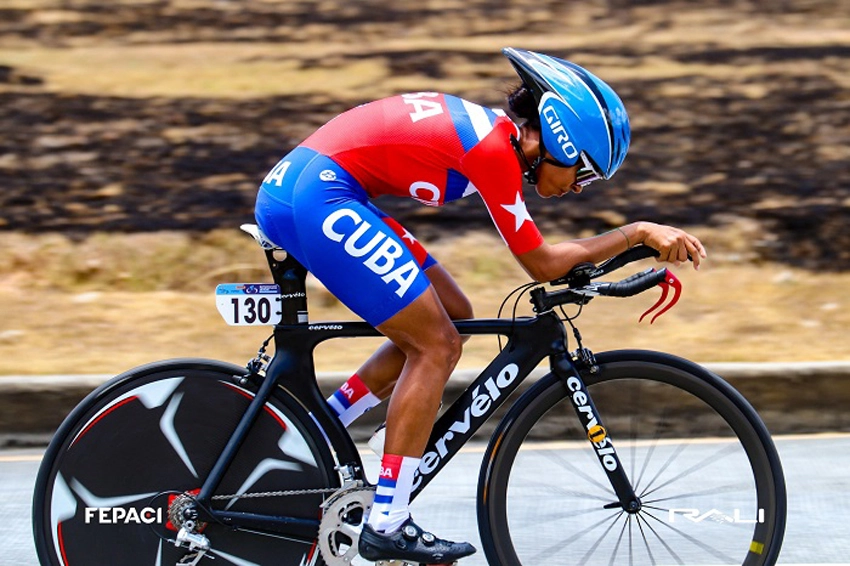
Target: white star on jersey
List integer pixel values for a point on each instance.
(408, 236)
(519, 211)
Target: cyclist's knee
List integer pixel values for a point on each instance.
(441, 347)
(453, 347)
(425, 335)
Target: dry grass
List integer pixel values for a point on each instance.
(112, 302)
(353, 65)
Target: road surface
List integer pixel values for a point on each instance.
(817, 470)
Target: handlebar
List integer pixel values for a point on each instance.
(630, 286)
(582, 273)
(582, 290)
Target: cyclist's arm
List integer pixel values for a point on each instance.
(550, 261)
(491, 166)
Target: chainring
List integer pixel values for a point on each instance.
(344, 515)
(342, 521)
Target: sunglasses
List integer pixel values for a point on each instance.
(585, 175)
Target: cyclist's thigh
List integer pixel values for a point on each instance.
(425, 260)
(350, 249)
(453, 299)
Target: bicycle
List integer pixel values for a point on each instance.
(180, 460)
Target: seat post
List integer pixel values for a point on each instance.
(291, 277)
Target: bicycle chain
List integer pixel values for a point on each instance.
(312, 491)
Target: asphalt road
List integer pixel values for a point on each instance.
(816, 469)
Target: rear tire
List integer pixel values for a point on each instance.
(699, 457)
(102, 490)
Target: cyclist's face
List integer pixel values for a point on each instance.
(554, 181)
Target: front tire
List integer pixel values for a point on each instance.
(697, 454)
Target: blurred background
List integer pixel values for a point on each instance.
(135, 133)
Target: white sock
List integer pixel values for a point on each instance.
(392, 497)
(352, 399)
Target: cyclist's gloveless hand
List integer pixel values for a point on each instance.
(674, 244)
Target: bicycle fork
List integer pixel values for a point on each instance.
(597, 434)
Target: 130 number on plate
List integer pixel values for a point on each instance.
(248, 304)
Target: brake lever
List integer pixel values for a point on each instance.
(670, 282)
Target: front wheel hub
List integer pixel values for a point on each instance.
(633, 506)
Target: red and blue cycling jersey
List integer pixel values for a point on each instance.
(435, 148)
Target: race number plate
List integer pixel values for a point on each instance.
(249, 304)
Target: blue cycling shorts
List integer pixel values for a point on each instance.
(316, 211)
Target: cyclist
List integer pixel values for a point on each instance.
(436, 148)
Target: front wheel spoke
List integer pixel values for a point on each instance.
(574, 514)
(679, 449)
(646, 461)
(551, 550)
(693, 540)
(661, 540)
(660, 425)
(614, 552)
(595, 545)
(724, 452)
(645, 541)
(606, 489)
(557, 490)
(729, 488)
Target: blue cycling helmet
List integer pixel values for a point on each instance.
(581, 117)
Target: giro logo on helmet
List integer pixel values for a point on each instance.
(580, 114)
(556, 126)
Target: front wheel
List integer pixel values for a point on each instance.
(128, 452)
(696, 453)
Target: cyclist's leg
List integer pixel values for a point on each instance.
(381, 371)
(431, 346)
(366, 265)
(348, 246)
(375, 379)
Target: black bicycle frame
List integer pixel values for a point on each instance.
(529, 341)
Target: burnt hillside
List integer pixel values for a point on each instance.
(754, 130)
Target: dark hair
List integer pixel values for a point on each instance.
(522, 104)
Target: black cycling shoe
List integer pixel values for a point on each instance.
(410, 544)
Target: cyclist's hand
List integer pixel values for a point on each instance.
(675, 245)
